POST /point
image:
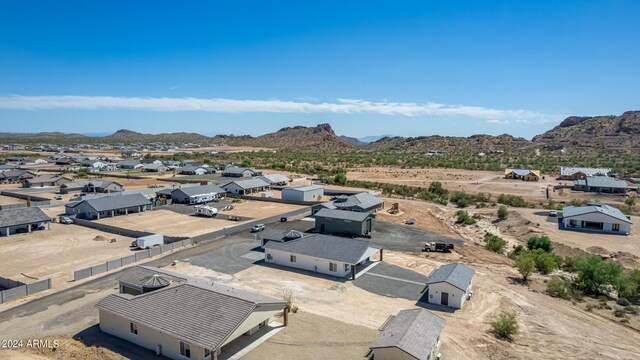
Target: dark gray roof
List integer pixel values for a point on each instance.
(137, 275)
(248, 183)
(343, 215)
(363, 200)
(327, 247)
(117, 202)
(236, 170)
(195, 311)
(280, 235)
(129, 163)
(571, 211)
(22, 216)
(200, 190)
(46, 178)
(190, 168)
(414, 331)
(458, 275)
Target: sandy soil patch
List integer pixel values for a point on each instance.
(168, 223)
(6, 200)
(260, 209)
(56, 253)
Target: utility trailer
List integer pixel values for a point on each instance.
(150, 241)
(437, 246)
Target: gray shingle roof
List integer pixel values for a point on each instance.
(46, 178)
(571, 211)
(117, 202)
(248, 183)
(136, 275)
(363, 200)
(327, 247)
(190, 168)
(195, 311)
(568, 171)
(200, 190)
(343, 215)
(414, 331)
(236, 170)
(22, 216)
(274, 178)
(458, 275)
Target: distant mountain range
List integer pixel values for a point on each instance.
(599, 133)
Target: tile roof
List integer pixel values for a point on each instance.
(458, 275)
(343, 215)
(414, 331)
(22, 216)
(117, 202)
(195, 310)
(327, 247)
(571, 211)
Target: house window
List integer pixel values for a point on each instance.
(292, 258)
(185, 349)
(133, 328)
(333, 267)
(346, 267)
(615, 227)
(207, 353)
(269, 257)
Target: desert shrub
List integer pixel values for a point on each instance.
(545, 262)
(630, 286)
(623, 302)
(589, 307)
(618, 313)
(633, 310)
(340, 179)
(461, 199)
(512, 200)
(505, 325)
(464, 218)
(557, 287)
(482, 197)
(503, 213)
(517, 250)
(595, 276)
(437, 189)
(494, 243)
(526, 265)
(541, 242)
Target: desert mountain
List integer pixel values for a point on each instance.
(595, 133)
(473, 143)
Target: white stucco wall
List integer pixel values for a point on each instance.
(607, 221)
(312, 195)
(306, 263)
(457, 297)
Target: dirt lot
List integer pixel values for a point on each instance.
(137, 184)
(260, 209)
(6, 200)
(168, 223)
(56, 253)
(473, 181)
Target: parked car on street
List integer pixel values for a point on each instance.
(257, 227)
(553, 213)
(65, 220)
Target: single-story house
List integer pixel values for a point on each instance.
(411, 335)
(320, 253)
(248, 186)
(45, 180)
(65, 161)
(522, 174)
(345, 222)
(275, 179)
(362, 202)
(91, 186)
(576, 173)
(183, 317)
(10, 176)
(601, 184)
(4, 168)
(129, 164)
(192, 170)
(303, 193)
(25, 219)
(153, 167)
(93, 164)
(152, 161)
(197, 194)
(234, 171)
(108, 206)
(596, 217)
(450, 285)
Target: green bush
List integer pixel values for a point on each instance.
(340, 179)
(595, 276)
(464, 218)
(630, 286)
(494, 243)
(512, 200)
(545, 262)
(461, 199)
(541, 242)
(503, 213)
(526, 265)
(557, 287)
(505, 325)
(517, 250)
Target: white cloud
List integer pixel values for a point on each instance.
(341, 106)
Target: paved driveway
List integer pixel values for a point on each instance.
(392, 281)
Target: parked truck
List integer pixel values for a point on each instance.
(146, 242)
(437, 246)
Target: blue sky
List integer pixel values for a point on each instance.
(366, 67)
